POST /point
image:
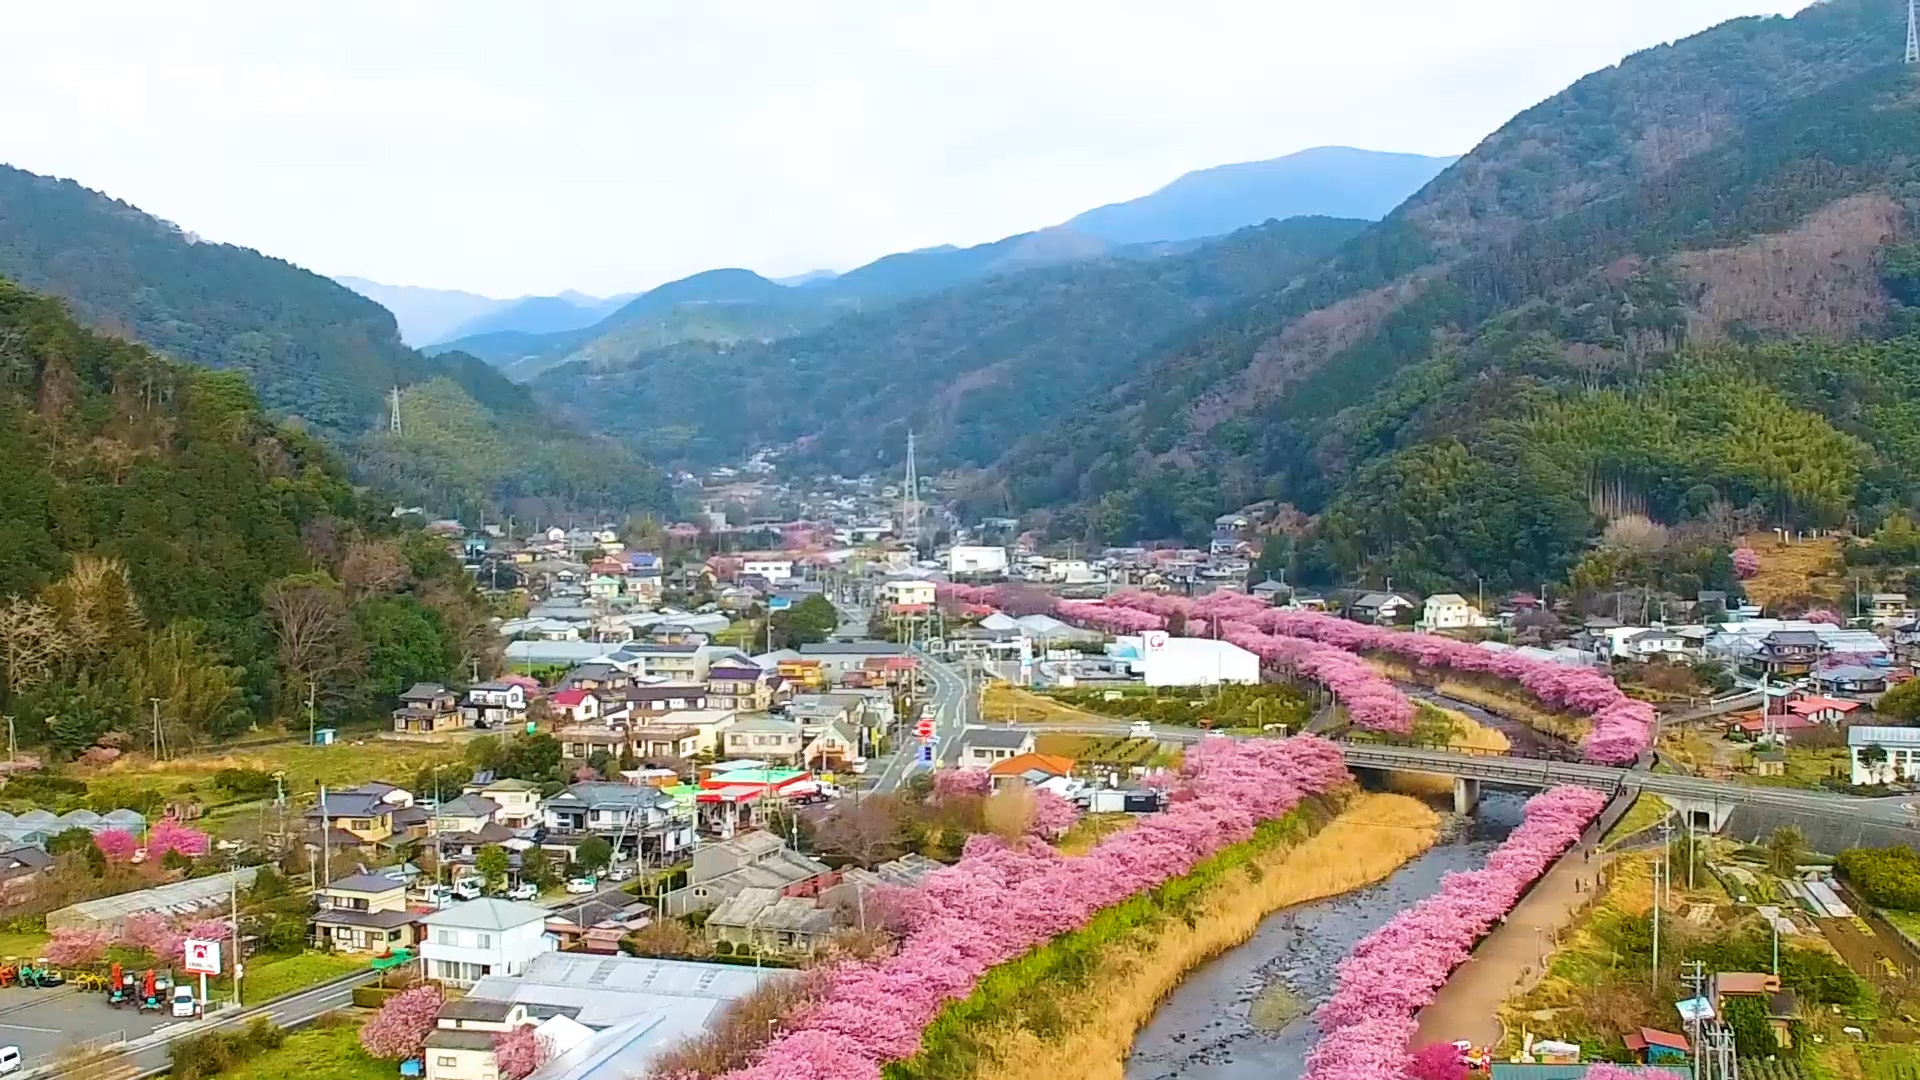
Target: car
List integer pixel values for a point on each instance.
(526, 890)
(1140, 729)
(579, 885)
(437, 895)
(10, 1060)
(183, 1003)
(858, 768)
(467, 889)
(620, 873)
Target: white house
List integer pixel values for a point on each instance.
(968, 559)
(908, 593)
(464, 942)
(1648, 643)
(1884, 755)
(1450, 611)
(776, 571)
(518, 801)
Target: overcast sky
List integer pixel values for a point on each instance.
(612, 146)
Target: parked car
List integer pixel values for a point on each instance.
(526, 890)
(9, 1059)
(437, 895)
(580, 885)
(467, 889)
(620, 873)
(183, 1003)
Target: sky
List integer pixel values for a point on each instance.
(512, 149)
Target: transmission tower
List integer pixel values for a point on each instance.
(1913, 33)
(910, 509)
(395, 422)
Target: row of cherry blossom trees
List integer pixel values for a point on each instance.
(148, 931)
(1397, 970)
(167, 835)
(1001, 900)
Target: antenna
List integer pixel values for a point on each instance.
(910, 500)
(395, 424)
(1913, 33)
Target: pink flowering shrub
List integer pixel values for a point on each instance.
(1824, 616)
(150, 930)
(1746, 563)
(69, 946)
(170, 835)
(518, 1052)
(1052, 815)
(116, 845)
(1615, 1072)
(1437, 1061)
(1001, 901)
(400, 1029)
(1395, 971)
(950, 782)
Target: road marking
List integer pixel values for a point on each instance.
(30, 1027)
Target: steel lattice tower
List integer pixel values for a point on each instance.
(1913, 33)
(910, 500)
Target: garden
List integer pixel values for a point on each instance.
(1249, 708)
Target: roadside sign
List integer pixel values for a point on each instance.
(202, 957)
(926, 754)
(923, 728)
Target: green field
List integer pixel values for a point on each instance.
(324, 1052)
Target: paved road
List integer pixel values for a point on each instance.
(150, 1056)
(953, 704)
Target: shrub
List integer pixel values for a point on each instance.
(1886, 877)
(215, 1052)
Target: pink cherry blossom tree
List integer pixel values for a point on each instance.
(1746, 563)
(116, 845)
(68, 946)
(518, 1052)
(170, 835)
(1052, 815)
(400, 1029)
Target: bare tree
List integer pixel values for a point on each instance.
(310, 631)
(373, 566)
(96, 605)
(865, 830)
(30, 643)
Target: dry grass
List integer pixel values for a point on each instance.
(1807, 568)
(1466, 733)
(1090, 830)
(341, 765)
(1372, 837)
(1005, 701)
(1516, 706)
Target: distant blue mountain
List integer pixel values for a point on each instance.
(540, 315)
(1333, 181)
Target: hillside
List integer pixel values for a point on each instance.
(311, 348)
(424, 315)
(1326, 181)
(1613, 261)
(972, 368)
(153, 513)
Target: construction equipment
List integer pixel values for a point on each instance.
(119, 987)
(149, 992)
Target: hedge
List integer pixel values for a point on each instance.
(1885, 877)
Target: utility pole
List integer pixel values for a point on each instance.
(159, 747)
(1656, 924)
(233, 902)
(12, 748)
(326, 842)
(310, 730)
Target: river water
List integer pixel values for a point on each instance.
(1205, 1029)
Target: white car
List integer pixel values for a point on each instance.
(467, 889)
(437, 895)
(9, 1059)
(620, 873)
(580, 885)
(182, 1003)
(1140, 729)
(526, 890)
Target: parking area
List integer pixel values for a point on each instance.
(42, 1022)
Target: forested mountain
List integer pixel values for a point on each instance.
(1328, 181)
(311, 348)
(161, 530)
(972, 369)
(1613, 262)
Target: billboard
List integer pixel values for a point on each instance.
(202, 957)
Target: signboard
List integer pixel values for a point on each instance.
(1154, 640)
(202, 957)
(923, 728)
(926, 754)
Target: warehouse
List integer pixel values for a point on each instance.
(1183, 661)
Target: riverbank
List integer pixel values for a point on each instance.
(1083, 1021)
(1504, 699)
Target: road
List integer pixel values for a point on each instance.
(151, 1056)
(953, 704)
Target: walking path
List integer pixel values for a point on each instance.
(1508, 961)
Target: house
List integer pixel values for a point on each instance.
(982, 747)
(1783, 1008)
(1856, 679)
(19, 866)
(775, 569)
(679, 661)
(352, 818)
(739, 685)
(1030, 768)
(766, 738)
(596, 676)
(1450, 611)
(756, 859)
(837, 658)
(517, 801)
(1890, 609)
(1823, 710)
(462, 943)
(426, 708)
(579, 743)
(466, 814)
(666, 697)
(707, 724)
(364, 912)
(1270, 591)
(907, 593)
(832, 747)
(1789, 652)
(795, 671)
(766, 920)
(1884, 755)
(846, 897)
(495, 705)
(636, 820)
(460, 1046)
(1379, 607)
(1651, 1046)
(576, 706)
(659, 741)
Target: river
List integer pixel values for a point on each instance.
(1206, 1031)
